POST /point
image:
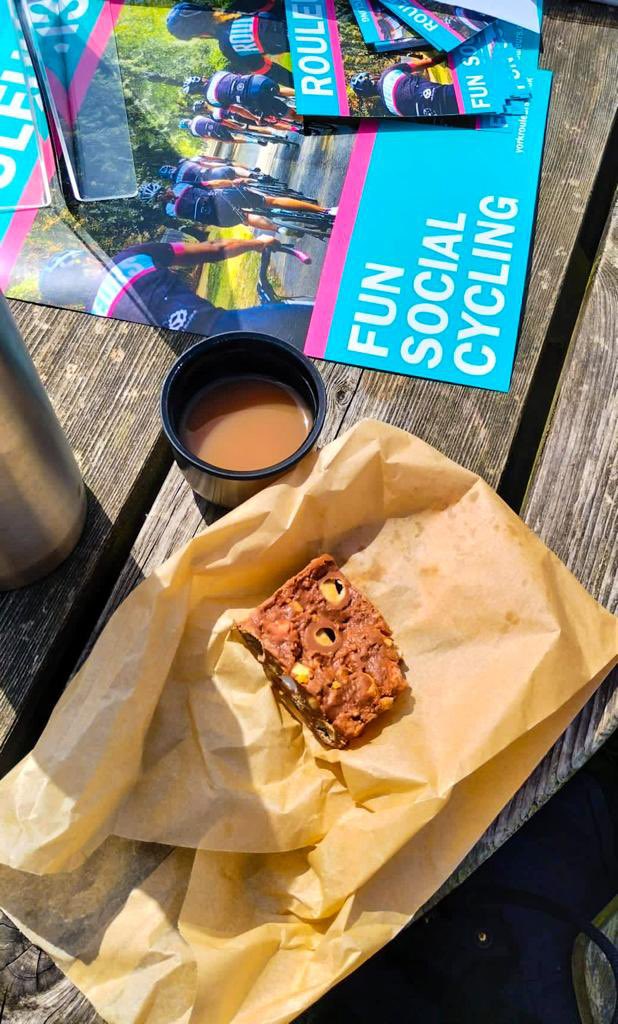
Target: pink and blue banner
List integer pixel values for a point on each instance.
(71, 39)
(76, 61)
(23, 128)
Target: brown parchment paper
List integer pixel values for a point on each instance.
(297, 863)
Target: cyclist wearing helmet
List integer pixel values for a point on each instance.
(247, 37)
(225, 128)
(197, 172)
(240, 116)
(405, 93)
(223, 207)
(255, 93)
(223, 204)
(207, 128)
(140, 285)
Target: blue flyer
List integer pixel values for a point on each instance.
(436, 293)
(518, 12)
(24, 139)
(520, 48)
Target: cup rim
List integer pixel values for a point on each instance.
(193, 353)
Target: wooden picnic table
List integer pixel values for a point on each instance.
(549, 446)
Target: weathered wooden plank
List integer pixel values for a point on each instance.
(571, 503)
(104, 379)
(26, 969)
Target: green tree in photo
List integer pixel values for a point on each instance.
(153, 67)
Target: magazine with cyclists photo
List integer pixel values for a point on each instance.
(336, 74)
(443, 26)
(238, 218)
(384, 31)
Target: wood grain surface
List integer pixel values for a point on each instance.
(104, 380)
(569, 502)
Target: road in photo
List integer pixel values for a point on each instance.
(318, 171)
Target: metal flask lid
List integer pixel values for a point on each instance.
(42, 495)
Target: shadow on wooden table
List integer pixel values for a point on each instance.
(589, 12)
(28, 613)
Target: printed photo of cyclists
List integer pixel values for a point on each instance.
(233, 205)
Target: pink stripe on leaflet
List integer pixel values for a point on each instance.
(256, 35)
(126, 288)
(456, 85)
(97, 41)
(331, 21)
(332, 271)
(376, 24)
(434, 17)
(22, 220)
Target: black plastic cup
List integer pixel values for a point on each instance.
(237, 354)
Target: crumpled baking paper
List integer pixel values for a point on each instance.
(202, 857)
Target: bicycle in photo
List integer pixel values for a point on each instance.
(303, 222)
(266, 291)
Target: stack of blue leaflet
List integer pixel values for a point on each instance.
(356, 177)
(469, 65)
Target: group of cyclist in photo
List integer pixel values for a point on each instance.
(250, 101)
(216, 195)
(233, 107)
(253, 96)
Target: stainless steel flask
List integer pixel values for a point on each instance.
(42, 496)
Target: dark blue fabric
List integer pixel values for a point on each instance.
(477, 959)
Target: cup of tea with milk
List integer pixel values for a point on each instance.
(239, 410)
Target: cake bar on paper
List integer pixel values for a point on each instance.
(327, 651)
